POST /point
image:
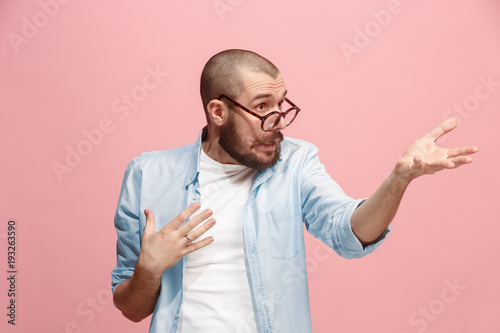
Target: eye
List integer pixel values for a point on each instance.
(261, 107)
(282, 105)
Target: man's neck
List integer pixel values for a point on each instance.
(211, 147)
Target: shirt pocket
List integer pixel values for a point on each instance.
(286, 235)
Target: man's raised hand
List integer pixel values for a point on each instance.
(424, 157)
(163, 249)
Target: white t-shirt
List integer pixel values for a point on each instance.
(216, 293)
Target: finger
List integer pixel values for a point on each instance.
(418, 163)
(462, 151)
(150, 221)
(444, 164)
(198, 245)
(460, 160)
(192, 223)
(198, 232)
(443, 128)
(184, 215)
(452, 163)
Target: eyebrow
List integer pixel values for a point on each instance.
(265, 96)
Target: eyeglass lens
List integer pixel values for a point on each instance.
(274, 119)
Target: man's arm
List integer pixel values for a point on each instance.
(137, 296)
(422, 157)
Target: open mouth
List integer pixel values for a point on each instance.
(267, 146)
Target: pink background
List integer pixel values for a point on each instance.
(63, 76)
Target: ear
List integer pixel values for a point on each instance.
(217, 112)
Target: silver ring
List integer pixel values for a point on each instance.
(189, 241)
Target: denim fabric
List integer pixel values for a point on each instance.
(296, 191)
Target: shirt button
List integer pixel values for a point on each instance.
(196, 197)
(176, 316)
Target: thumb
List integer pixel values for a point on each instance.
(150, 221)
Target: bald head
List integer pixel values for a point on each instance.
(222, 73)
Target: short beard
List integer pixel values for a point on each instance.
(231, 142)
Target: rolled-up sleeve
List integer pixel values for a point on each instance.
(351, 246)
(127, 226)
(327, 211)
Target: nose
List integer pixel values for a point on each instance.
(281, 124)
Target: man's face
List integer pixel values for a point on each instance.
(242, 136)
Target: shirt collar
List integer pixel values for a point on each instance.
(194, 162)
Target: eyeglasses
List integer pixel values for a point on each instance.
(272, 119)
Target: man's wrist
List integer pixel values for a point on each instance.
(397, 182)
(145, 276)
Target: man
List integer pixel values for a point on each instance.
(260, 187)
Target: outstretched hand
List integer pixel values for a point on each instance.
(424, 157)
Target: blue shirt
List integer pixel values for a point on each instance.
(294, 191)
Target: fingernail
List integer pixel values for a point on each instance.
(209, 212)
